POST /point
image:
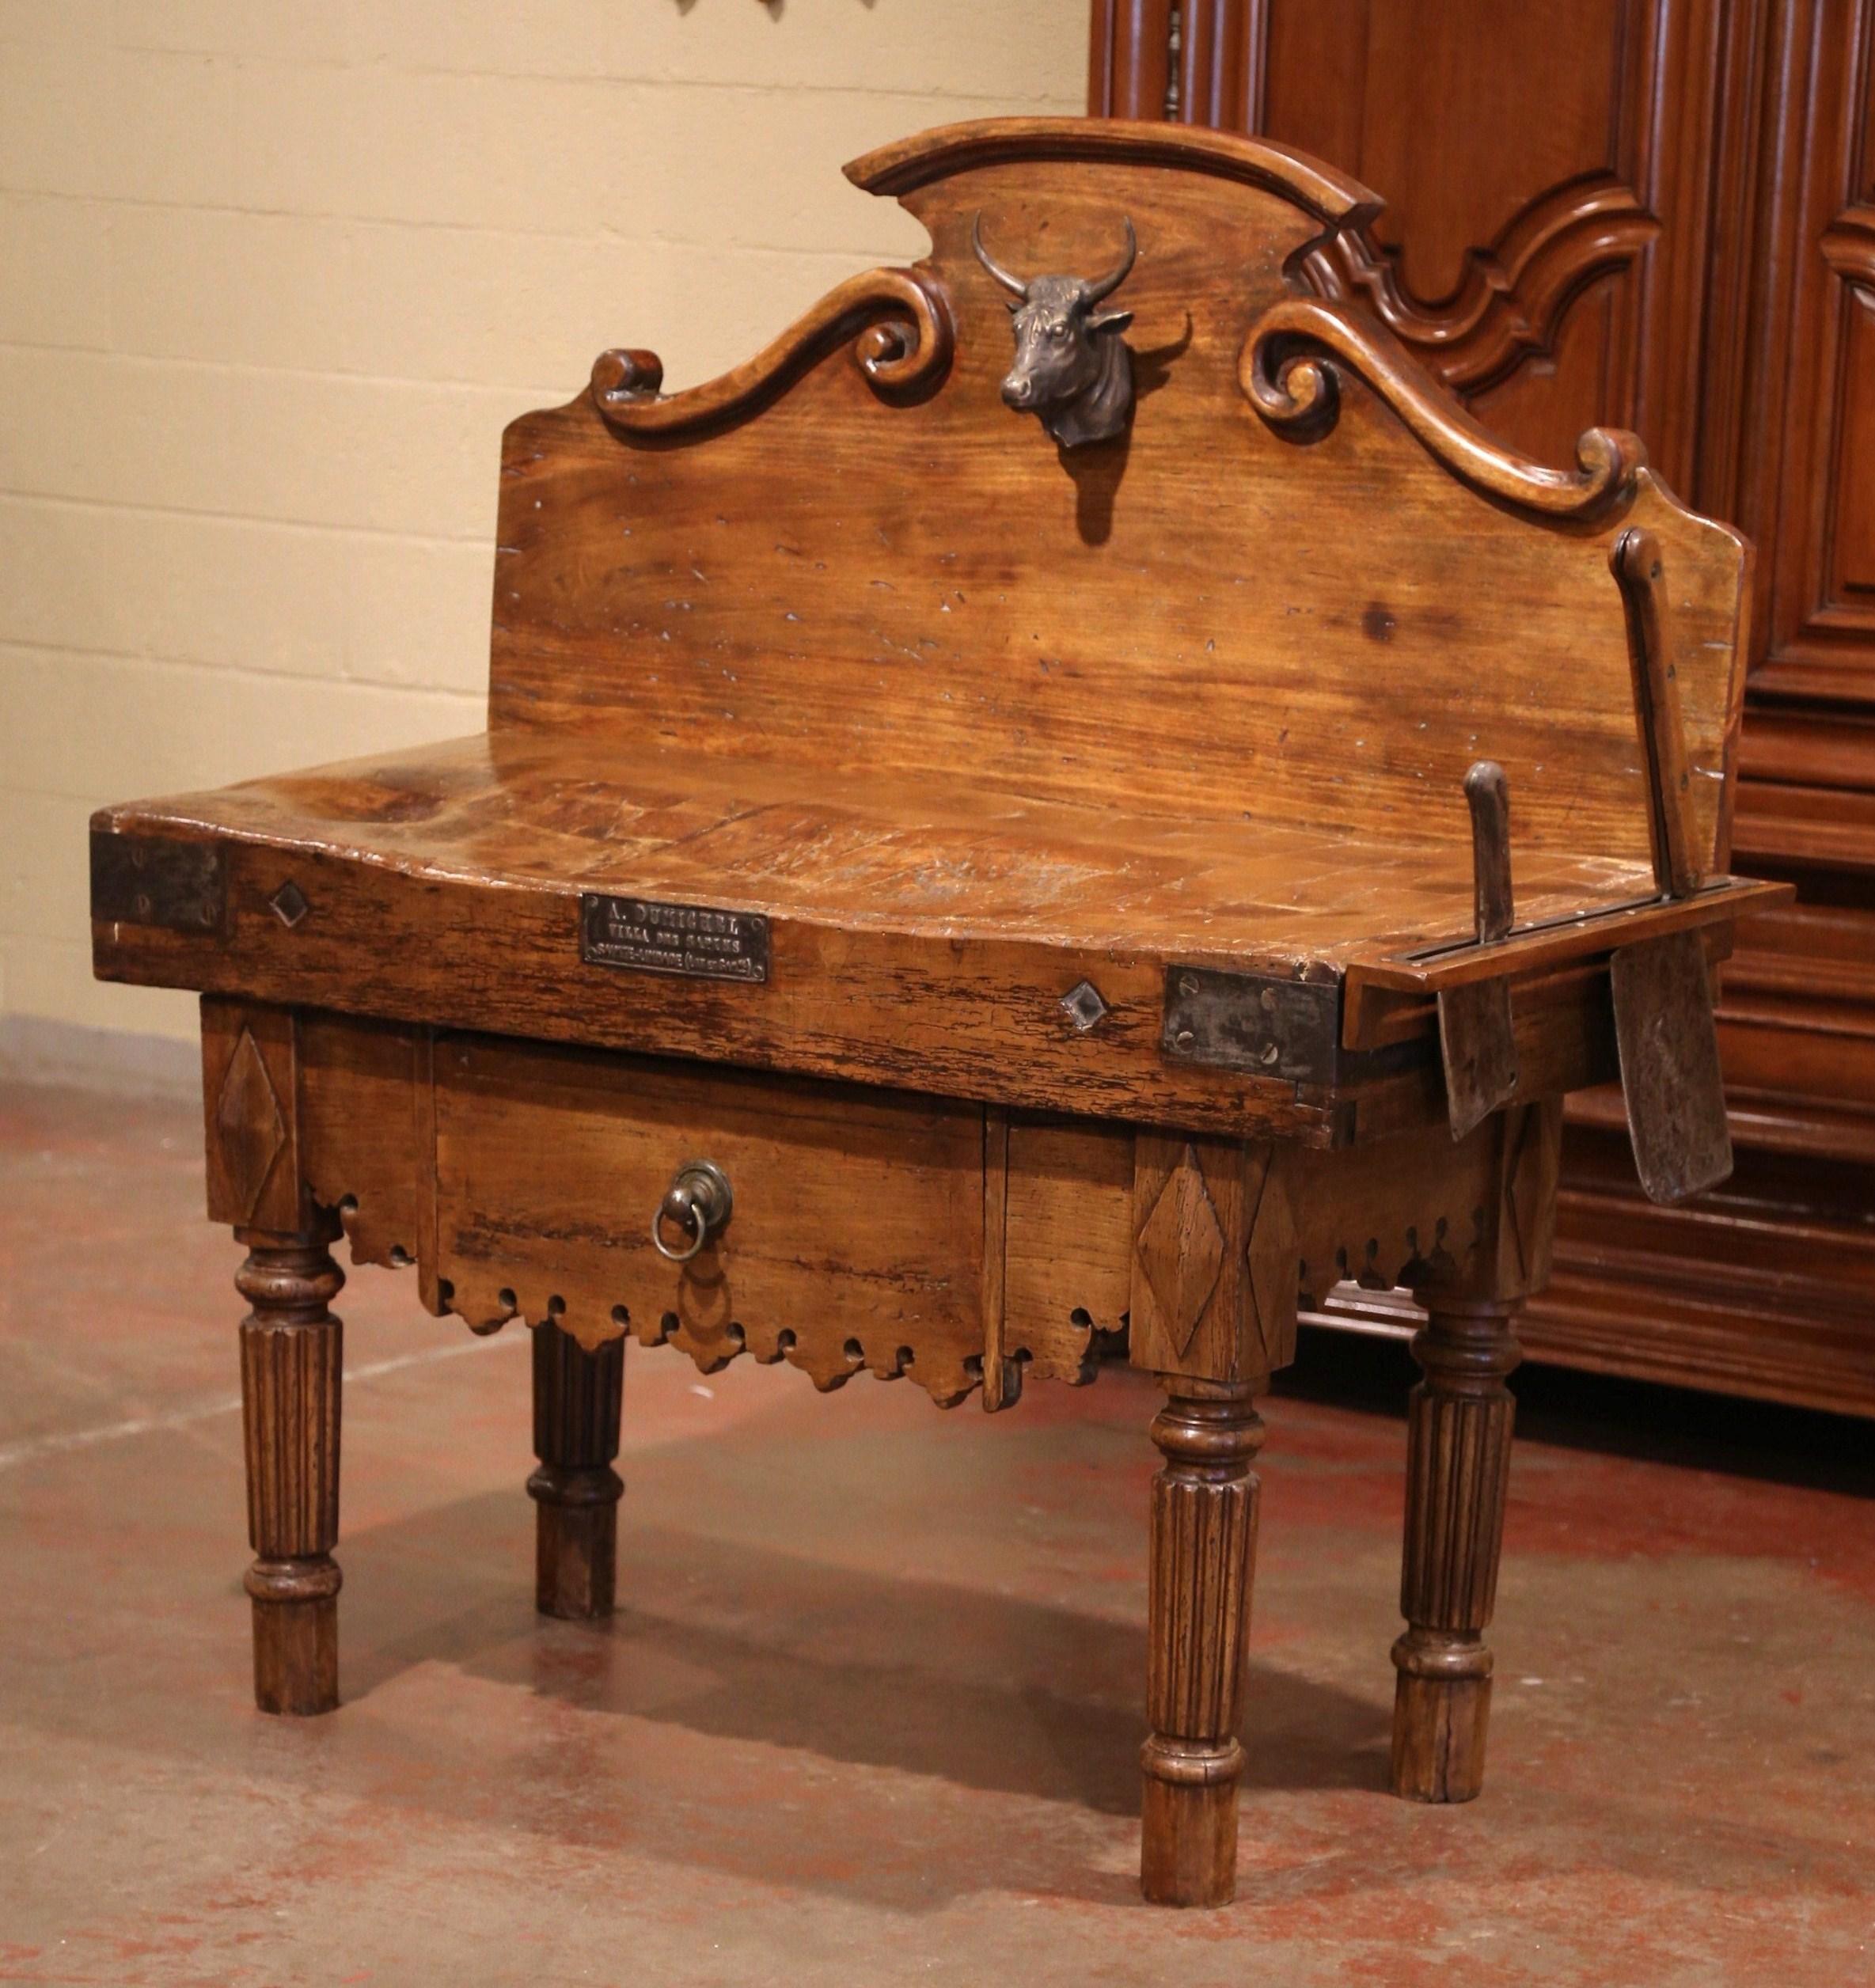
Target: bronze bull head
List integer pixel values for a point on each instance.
(1072, 368)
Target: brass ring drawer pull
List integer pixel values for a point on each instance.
(697, 1202)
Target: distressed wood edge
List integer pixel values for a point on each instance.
(1229, 1102)
(1287, 368)
(900, 319)
(1317, 189)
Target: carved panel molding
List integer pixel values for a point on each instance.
(1846, 593)
(1511, 302)
(1545, 248)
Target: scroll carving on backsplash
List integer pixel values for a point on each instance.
(1289, 369)
(898, 320)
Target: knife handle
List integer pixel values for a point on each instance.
(1488, 794)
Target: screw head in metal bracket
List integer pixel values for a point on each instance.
(289, 904)
(1083, 1006)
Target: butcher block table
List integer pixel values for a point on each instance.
(1072, 804)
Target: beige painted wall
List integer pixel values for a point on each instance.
(272, 278)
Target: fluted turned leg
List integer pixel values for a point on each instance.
(1203, 1551)
(1458, 1472)
(290, 1351)
(575, 1490)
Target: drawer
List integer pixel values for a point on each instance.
(880, 1229)
(866, 1231)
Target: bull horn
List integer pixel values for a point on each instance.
(1015, 285)
(1103, 286)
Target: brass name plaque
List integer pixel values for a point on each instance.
(674, 938)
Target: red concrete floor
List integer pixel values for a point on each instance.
(870, 1709)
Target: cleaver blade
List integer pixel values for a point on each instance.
(1480, 1050)
(1669, 1048)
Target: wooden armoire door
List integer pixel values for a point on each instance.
(1659, 214)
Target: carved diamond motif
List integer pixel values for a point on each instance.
(248, 1118)
(1181, 1250)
